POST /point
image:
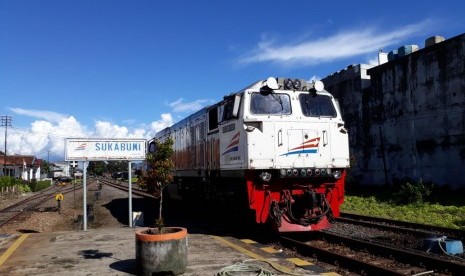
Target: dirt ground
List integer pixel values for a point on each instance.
(109, 209)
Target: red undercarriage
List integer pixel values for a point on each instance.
(295, 205)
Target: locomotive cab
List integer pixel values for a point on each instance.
(290, 143)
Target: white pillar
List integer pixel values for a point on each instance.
(84, 196)
(130, 193)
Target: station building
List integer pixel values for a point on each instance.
(25, 167)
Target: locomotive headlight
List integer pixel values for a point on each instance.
(318, 86)
(265, 176)
(289, 172)
(323, 172)
(303, 172)
(283, 172)
(295, 172)
(271, 83)
(288, 84)
(309, 172)
(317, 171)
(297, 84)
(337, 174)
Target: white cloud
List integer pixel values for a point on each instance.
(338, 46)
(314, 78)
(180, 106)
(108, 130)
(40, 114)
(43, 137)
(165, 121)
(47, 136)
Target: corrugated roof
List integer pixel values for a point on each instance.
(19, 160)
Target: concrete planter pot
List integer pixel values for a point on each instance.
(162, 253)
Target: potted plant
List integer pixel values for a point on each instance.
(160, 249)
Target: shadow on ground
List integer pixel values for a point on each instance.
(199, 217)
(119, 209)
(126, 266)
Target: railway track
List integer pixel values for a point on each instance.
(17, 211)
(364, 258)
(400, 235)
(401, 226)
(371, 246)
(124, 187)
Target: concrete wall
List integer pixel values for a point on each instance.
(408, 121)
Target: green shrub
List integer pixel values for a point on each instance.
(425, 213)
(35, 186)
(42, 184)
(9, 181)
(415, 193)
(14, 184)
(22, 188)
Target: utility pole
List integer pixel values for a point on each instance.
(6, 121)
(48, 163)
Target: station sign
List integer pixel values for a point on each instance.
(95, 149)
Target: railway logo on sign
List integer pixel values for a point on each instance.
(81, 147)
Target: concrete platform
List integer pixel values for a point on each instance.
(112, 252)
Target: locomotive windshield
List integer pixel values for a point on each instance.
(270, 104)
(314, 105)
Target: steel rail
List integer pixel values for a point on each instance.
(14, 211)
(457, 233)
(328, 256)
(138, 192)
(410, 257)
(36, 195)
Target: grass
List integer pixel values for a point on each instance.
(445, 208)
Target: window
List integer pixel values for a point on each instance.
(229, 109)
(270, 104)
(212, 119)
(314, 105)
(152, 147)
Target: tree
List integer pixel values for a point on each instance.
(117, 166)
(159, 173)
(45, 166)
(96, 167)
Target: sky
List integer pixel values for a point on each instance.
(127, 69)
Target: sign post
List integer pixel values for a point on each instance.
(96, 149)
(84, 197)
(130, 193)
(74, 165)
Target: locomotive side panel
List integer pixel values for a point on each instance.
(213, 157)
(190, 144)
(232, 137)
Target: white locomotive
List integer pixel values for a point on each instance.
(279, 146)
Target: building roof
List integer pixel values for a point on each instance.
(20, 160)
